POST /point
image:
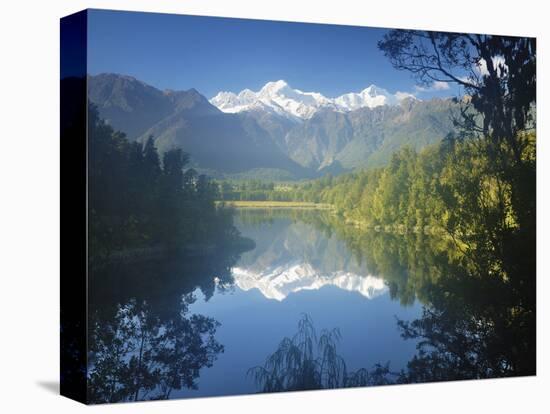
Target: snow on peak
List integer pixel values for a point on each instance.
(271, 88)
(280, 98)
(374, 90)
(279, 281)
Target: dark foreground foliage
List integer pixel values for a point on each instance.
(137, 201)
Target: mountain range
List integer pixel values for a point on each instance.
(278, 97)
(292, 256)
(278, 132)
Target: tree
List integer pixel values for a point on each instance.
(173, 163)
(151, 158)
(498, 72)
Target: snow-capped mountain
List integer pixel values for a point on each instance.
(370, 97)
(280, 98)
(278, 282)
(280, 133)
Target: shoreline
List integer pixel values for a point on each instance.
(276, 204)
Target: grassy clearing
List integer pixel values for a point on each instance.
(276, 204)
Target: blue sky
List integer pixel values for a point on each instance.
(213, 54)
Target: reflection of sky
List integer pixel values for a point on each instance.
(252, 325)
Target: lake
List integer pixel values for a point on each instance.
(313, 303)
(297, 269)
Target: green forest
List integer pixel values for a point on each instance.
(415, 189)
(139, 202)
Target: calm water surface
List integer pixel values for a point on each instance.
(298, 269)
(195, 326)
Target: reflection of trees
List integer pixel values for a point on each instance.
(408, 263)
(479, 309)
(286, 235)
(308, 362)
(476, 327)
(143, 341)
(162, 282)
(135, 356)
(256, 217)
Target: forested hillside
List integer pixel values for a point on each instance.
(137, 201)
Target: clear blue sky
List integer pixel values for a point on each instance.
(212, 54)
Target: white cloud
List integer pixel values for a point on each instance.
(440, 86)
(435, 86)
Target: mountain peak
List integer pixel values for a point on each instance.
(373, 90)
(278, 97)
(272, 89)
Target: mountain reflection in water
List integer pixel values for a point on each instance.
(277, 283)
(298, 268)
(388, 308)
(292, 255)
